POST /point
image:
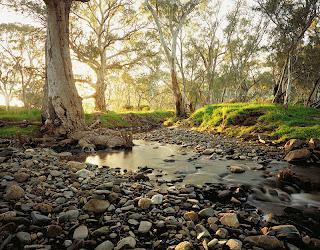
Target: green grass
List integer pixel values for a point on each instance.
(20, 114)
(109, 119)
(8, 131)
(243, 118)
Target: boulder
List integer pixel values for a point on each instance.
(265, 241)
(292, 144)
(237, 169)
(284, 231)
(297, 155)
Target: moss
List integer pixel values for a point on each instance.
(247, 118)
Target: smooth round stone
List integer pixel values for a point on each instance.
(54, 231)
(185, 245)
(106, 245)
(144, 203)
(24, 237)
(144, 227)
(128, 242)
(157, 199)
(96, 206)
(234, 244)
(14, 192)
(80, 232)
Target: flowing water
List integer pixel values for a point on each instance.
(178, 164)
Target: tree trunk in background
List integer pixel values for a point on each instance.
(180, 107)
(99, 96)
(7, 102)
(64, 105)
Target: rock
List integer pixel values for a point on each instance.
(55, 173)
(292, 144)
(230, 220)
(14, 192)
(185, 245)
(298, 154)
(314, 143)
(207, 212)
(84, 173)
(128, 242)
(193, 216)
(265, 241)
(39, 219)
(284, 231)
(144, 227)
(54, 231)
(21, 176)
(7, 216)
(234, 244)
(144, 203)
(76, 165)
(96, 206)
(101, 231)
(208, 151)
(237, 169)
(222, 233)
(106, 245)
(43, 208)
(80, 232)
(24, 237)
(157, 199)
(69, 215)
(212, 243)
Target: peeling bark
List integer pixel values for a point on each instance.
(64, 108)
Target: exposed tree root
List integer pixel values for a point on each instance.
(88, 140)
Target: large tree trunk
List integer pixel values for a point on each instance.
(64, 108)
(180, 108)
(99, 96)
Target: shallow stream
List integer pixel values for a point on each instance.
(176, 164)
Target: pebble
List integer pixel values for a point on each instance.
(234, 244)
(144, 227)
(144, 203)
(24, 237)
(80, 232)
(185, 245)
(127, 242)
(14, 192)
(230, 220)
(96, 206)
(157, 199)
(106, 245)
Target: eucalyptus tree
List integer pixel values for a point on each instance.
(109, 40)
(291, 20)
(17, 43)
(64, 112)
(7, 78)
(209, 47)
(243, 46)
(169, 18)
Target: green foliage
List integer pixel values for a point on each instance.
(242, 118)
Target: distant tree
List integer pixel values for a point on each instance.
(169, 18)
(291, 21)
(17, 44)
(109, 42)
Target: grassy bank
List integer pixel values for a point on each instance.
(109, 119)
(250, 118)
